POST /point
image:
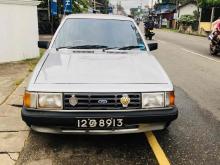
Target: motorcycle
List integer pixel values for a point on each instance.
(148, 27)
(149, 34)
(215, 43)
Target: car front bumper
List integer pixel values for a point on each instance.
(63, 122)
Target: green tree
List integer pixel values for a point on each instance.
(80, 6)
(176, 1)
(134, 11)
(208, 3)
(187, 19)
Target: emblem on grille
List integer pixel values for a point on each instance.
(102, 101)
(125, 100)
(73, 100)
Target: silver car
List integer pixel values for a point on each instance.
(98, 77)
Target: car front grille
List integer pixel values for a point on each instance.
(90, 101)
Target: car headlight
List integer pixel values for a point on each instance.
(43, 100)
(157, 100)
(50, 100)
(152, 100)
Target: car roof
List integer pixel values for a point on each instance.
(99, 16)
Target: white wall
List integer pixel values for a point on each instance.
(188, 9)
(18, 31)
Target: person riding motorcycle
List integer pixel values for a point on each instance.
(215, 40)
(148, 26)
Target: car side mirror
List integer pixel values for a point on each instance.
(152, 46)
(43, 44)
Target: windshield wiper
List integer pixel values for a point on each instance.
(83, 47)
(123, 48)
(108, 48)
(129, 47)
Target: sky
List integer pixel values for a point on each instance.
(127, 4)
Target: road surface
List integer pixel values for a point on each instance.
(194, 138)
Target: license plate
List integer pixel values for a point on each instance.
(100, 123)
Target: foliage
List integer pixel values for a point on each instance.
(201, 3)
(43, 4)
(80, 6)
(105, 3)
(196, 14)
(187, 20)
(134, 11)
(208, 3)
(176, 1)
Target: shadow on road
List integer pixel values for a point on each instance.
(87, 149)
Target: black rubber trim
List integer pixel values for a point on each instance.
(40, 118)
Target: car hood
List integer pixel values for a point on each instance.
(100, 68)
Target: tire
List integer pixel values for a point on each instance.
(213, 52)
(146, 37)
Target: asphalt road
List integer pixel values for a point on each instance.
(194, 138)
(188, 63)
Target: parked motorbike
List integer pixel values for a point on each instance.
(148, 27)
(215, 43)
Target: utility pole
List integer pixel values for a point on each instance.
(118, 3)
(94, 4)
(177, 14)
(48, 6)
(212, 15)
(50, 17)
(117, 7)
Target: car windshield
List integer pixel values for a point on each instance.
(99, 34)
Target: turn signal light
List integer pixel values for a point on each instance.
(30, 100)
(170, 99)
(27, 99)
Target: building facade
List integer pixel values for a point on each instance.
(187, 9)
(19, 30)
